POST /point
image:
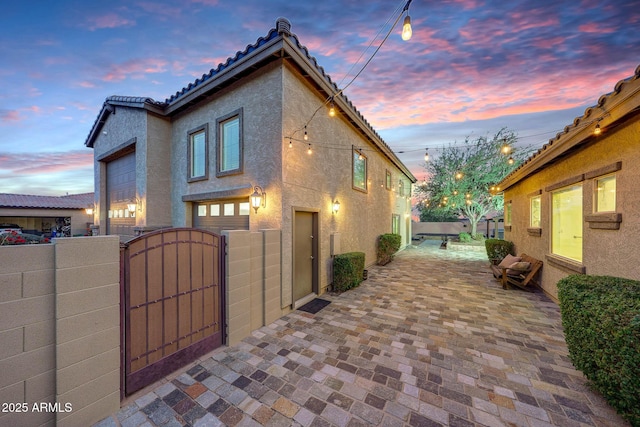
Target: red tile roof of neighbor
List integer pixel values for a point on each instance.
(71, 201)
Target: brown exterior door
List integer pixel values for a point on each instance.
(305, 255)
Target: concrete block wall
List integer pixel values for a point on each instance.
(253, 281)
(59, 331)
(27, 333)
(87, 272)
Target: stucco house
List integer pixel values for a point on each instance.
(574, 204)
(69, 215)
(257, 124)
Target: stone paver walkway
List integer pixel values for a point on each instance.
(428, 340)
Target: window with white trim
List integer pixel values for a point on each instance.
(566, 222)
(605, 197)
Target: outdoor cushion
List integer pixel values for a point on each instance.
(508, 260)
(518, 268)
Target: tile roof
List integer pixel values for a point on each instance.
(72, 201)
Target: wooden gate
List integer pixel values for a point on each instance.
(173, 302)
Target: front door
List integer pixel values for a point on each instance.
(304, 257)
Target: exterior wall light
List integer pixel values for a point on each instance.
(89, 209)
(258, 198)
(336, 206)
(131, 207)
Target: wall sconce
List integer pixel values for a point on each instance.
(131, 207)
(258, 198)
(336, 207)
(89, 210)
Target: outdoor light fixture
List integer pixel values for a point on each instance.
(290, 143)
(332, 110)
(426, 156)
(89, 210)
(506, 148)
(306, 135)
(336, 206)
(258, 198)
(406, 26)
(458, 175)
(131, 207)
(510, 161)
(309, 150)
(597, 130)
(455, 192)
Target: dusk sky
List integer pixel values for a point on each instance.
(471, 68)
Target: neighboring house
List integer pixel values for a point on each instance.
(42, 215)
(194, 159)
(574, 204)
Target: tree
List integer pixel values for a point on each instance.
(461, 177)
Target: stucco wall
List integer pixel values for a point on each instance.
(121, 127)
(260, 97)
(315, 181)
(605, 252)
(154, 186)
(60, 331)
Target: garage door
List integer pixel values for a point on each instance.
(218, 215)
(121, 190)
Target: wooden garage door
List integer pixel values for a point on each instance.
(218, 215)
(121, 190)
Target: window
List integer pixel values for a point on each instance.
(566, 222)
(395, 224)
(215, 210)
(244, 208)
(387, 183)
(401, 188)
(535, 203)
(229, 209)
(507, 214)
(605, 197)
(202, 210)
(359, 170)
(229, 144)
(198, 154)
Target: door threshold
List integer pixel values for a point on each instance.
(302, 301)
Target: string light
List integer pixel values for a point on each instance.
(458, 175)
(290, 143)
(406, 25)
(426, 156)
(332, 110)
(506, 148)
(306, 135)
(309, 150)
(511, 161)
(597, 130)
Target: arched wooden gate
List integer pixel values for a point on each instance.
(173, 302)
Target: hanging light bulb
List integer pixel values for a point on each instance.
(309, 150)
(406, 28)
(455, 192)
(290, 143)
(458, 175)
(597, 130)
(360, 156)
(332, 110)
(506, 148)
(306, 135)
(426, 156)
(511, 161)
(469, 202)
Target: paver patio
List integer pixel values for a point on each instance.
(428, 340)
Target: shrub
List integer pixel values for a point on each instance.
(497, 249)
(388, 244)
(348, 269)
(601, 321)
(464, 237)
(478, 236)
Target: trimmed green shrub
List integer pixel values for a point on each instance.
(388, 244)
(464, 237)
(348, 269)
(601, 321)
(497, 249)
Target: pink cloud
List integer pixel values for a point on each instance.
(87, 85)
(593, 27)
(110, 20)
(136, 68)
(9, 116)
(45, 163)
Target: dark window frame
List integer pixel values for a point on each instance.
(190, 134)
(219, 145)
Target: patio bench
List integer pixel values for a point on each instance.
(521, 278)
